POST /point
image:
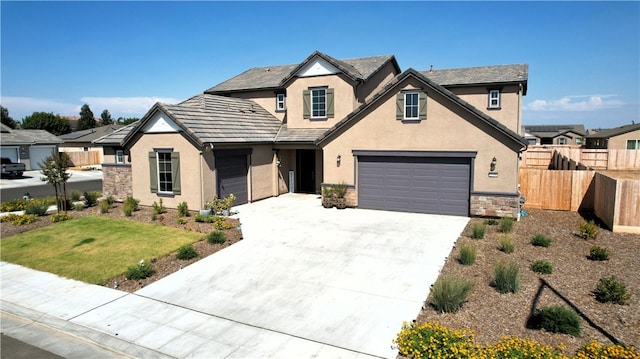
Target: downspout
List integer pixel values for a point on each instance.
(201, 181)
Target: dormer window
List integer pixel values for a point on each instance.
(318, 103)
(281, 104)
(411, 106)
(494, 99)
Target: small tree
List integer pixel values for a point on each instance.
(47, 121)
(54, 171)
(106, 118)
(6, 119)
(86, 120)
(126, 120)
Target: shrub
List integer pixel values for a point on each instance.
(598, 254)
(91, 198)
(491, 222)
(432, 340)
(588, 230)
(39, 209)
(154, 216)
(507, 244)
(62, 216)
(449, 293)
(182, 221)
(609, 289)
(132, 202)
(507, 278)
(186, 252)
(593, 350)
(110, 200)
(105, 206)
(13, 205)
(183, 209)
(216, 237)
(506, 224)
(75, 195)
(203, 219)
(221, 223)
(542, 267)
(478, 230)
(557, 319)
(159, 208)
(78, 206)
(467, 253)
(541, 241)
(19, 219)
(514, 347)
(141, 270)
(127, 209)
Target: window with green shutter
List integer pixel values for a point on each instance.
(164, 171)
(318, 103)
(411, 106)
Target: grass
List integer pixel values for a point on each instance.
(92, 249)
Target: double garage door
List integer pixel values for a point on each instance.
(438, 185)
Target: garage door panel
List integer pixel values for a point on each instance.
(37, 155)
(232, 177)
(414, 184)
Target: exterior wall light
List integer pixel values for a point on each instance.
(493, 164)
(338, 160)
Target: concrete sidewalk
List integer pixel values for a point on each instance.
(306, 282)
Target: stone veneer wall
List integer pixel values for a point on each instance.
(495, 205)
(117, 181)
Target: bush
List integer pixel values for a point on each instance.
(140, 271)
(154, 216)
(609, 289)
(557, 319)
(78, 206)
(159, 208)
(127, 209)
(37, 208)
(593, 350)
(13, 205)
(75, 195)
(491, 222)
(478, 230)
(221, 223)
(432, 340)
(183, 209)
(203, 219)
(110, 200)
(507, 244)
(105, 206)
(448, 293)
(598, 254)
(507, 278)
(60, 217)
(216, 237)
(182, 221)
(467, 253)
(506, 224)
(514, 347)
(588, 230)
(91, 198)
(541, 241)
(542, 267)
(132, 202)
(19, 219)
(186, 252)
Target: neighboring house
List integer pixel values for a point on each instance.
(436, 141)
(620, 138)
(554, 134)
(28, 146)
(116, 167)
(82, 141)
(73, 121)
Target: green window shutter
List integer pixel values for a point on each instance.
(423, 106)
(175, 172)
(153, 172)
(306, 101)
(329, 103)
(400, 106)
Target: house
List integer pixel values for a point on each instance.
(82, 141)
(435, 141)
(625, 137)
(74, 120)
(27, 146)
(554, 134)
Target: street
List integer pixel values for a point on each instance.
(30, 182)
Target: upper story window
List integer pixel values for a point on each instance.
(318, 103)
(411, 105)
(119, 156)
(281, 104)
(633, 144)
(494, 99)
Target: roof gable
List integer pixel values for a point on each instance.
(612, 132)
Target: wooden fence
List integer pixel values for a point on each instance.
(84, 158)
(617, 202)
(546, 156)
(557, 190)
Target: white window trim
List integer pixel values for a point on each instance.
(491, 98)
(562, 141)
(158, 171)
(311, 102)
(281, 102)
(416, 105)
(119, 156)
(636, 144)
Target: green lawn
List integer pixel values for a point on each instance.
(92, 249)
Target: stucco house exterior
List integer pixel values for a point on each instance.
(625, 137)
(30, 147)
(435, 141)
(555, 134)
(82, 141)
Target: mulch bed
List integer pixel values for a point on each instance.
(492, 315)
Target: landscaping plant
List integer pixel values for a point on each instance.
(91, 198)
(506, 277)
(598, 254)
(478, 230)
(449, 293)
(467, 253)
(37, 208)
(59, 217)
(132, 202)
(432, 340)
(78, 206)
(158, 208)
(507, 244)
(491, 221)
(127, 209)
(542, 267)
(593, 350)
(506, 224)
(181, 220)
(105, 206)
(557, 319)
(541, 241)
(19, 219)
(75, 195)
(183, 209)
(216, 237)
(588, 230)
(186, 252)
(140, 271)
(610, 289)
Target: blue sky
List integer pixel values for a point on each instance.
(584, 57)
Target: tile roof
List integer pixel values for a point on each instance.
(116, 137)
(612, 132)
(553, 130)
(479, 75)
(90, 134)
(272, 77)
(298, 135)
(29, 137)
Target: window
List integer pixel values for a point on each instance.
(119, 156)
(562, 141)
(164, 171)
(579, 140)
(633, 144)
(411, 106)
(280, 102)
(318, 103)
(494, 99)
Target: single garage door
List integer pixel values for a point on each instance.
(10, 152)
(415, 184)
(37, 154)
(232, 177)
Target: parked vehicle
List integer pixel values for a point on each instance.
(12, 169)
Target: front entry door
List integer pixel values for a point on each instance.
(306, 169)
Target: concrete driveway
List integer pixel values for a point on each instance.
(344, 278)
